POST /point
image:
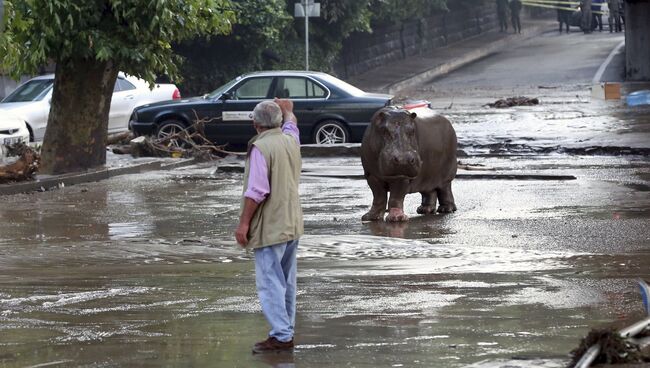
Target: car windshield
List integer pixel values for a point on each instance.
(217, 92)
(354, 91)
(34, 90)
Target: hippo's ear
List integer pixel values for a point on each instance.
(381, 116)
(414, 115)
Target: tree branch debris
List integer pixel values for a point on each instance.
(189, 142)
(22, 169)
(514, 101)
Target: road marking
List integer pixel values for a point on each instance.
(603, 66)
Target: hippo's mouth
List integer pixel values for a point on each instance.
(399, 177)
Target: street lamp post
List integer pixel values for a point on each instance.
(307, 8)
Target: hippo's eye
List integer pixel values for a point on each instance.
(409, 128)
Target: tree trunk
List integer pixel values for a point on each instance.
(75, 138)
(637, 40)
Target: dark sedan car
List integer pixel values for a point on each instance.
(328, 109)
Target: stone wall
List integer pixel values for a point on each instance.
(364, 51)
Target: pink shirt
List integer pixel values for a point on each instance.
(258, 174)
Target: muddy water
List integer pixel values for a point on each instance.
(142, 270)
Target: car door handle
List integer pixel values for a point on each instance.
(129, 97)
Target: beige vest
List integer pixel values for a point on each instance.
(278, 219)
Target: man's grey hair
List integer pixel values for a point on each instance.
(267, 114)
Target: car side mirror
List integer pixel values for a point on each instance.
(226, 96)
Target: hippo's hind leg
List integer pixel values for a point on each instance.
(379, 199)
(446, 199)
(428, 203)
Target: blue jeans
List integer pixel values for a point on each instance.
(275, 277)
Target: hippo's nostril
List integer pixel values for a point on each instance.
(395, 159)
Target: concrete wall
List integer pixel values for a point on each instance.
(364, 51)
(637, 40)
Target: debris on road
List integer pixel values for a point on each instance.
(514, 101)
(119, 138)
(611, 346)
(189, 142)
(469, 167)
(614, 349)
(22, 169)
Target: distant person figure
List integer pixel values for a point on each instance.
(564, 15)
(622, 12)
(502, 14)
(585, 24)
(515, 9)
(597, 17)
(614, 15)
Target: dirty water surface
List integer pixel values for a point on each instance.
(142, 270)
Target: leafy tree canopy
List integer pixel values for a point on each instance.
(136, 35)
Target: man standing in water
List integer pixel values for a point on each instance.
(271, 217)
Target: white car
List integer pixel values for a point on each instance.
(12, 130)
(31, 101)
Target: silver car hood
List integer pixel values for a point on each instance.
(32, 111)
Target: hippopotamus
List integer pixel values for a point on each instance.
(407, 151)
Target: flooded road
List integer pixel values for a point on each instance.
(142, 270)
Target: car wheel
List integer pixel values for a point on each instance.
(330, 132)
(169, 128)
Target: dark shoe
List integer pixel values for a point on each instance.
(272, 345)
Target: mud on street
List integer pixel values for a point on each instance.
(142, 270)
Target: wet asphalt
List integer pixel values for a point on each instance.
(142, 270)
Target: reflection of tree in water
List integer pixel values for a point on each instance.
(58, 216)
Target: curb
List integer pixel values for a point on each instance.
(459, 62)
(333, 150)
(59, 181)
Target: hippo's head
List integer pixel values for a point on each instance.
(396, 133)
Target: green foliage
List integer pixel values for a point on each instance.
(210, 62)
(135, 35)
(396, 11)
(264, 26)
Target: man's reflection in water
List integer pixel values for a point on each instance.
(277, 360)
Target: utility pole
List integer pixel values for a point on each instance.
(307, 8)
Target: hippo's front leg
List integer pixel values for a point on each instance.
(398, 190)
(379, 198)
(428, 205)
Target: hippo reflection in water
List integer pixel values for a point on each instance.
(406, 152)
